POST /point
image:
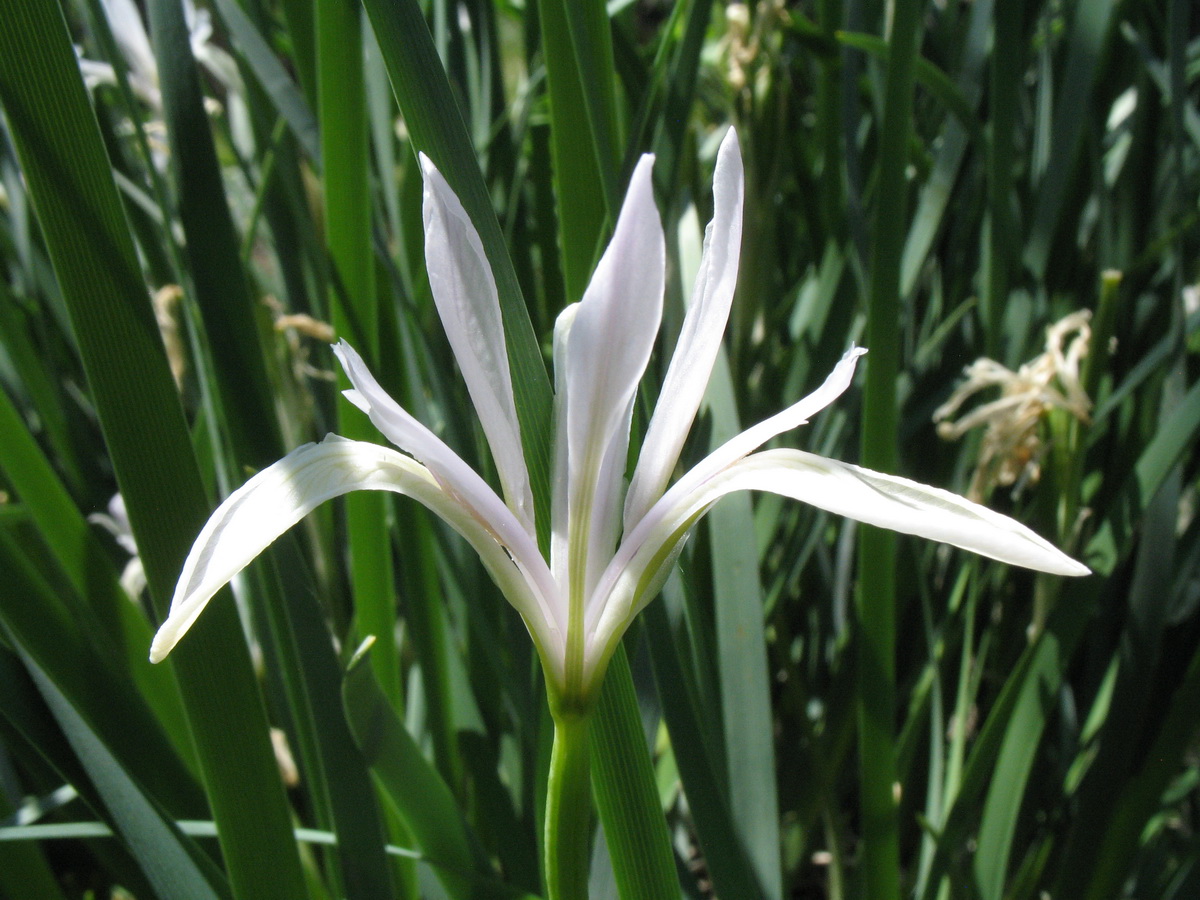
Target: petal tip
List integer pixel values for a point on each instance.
(1076, 569)
(730, 143)
(341, 350)
(642, 172)
(160, 647)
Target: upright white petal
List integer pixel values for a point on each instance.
(130, 35)
(606, 506)
(455, 476)
(559, 526)
(699, 339)
(464, 291)
(278, 497)
(610, 343)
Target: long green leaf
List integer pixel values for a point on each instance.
(1089, 31)
(580, 202)
(877, 549)
(170, 861)
(687, 720)
(54, 637)
(283, 91)
(416, 790)
(82, 220)
(742, 657)
(213, 249)
(625, 792)
(77, 550)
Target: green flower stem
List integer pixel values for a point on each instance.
(568, 843)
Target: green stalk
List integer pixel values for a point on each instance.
(582, 210)
(568, 844)
(346, 168)
(86, 236)
(877, 549)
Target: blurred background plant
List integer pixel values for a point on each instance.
(237, 184)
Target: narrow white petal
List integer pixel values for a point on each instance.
(605, 526)
(609, 346)
(560, 501)
(886, 501)
(464, 291)
(754, 437)
(646, 547)
(454, 475)
(699, 339)
(278, 497)
(899, 504)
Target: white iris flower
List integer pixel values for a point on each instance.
(611, 548)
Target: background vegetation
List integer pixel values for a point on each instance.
(190, 214)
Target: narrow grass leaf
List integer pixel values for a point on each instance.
(414, 787)
(581, 201)
(213, 249)
(172, 863)
(1089, 31)
(287, 96)
(84, 227)
(727, 859)
(879, 446)
(56, 639)
(77, 549)
(626, 795)
(742, 656)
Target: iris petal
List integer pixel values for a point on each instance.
(278, 497)
(464, 292)
(885, 501)
(455, 476)
(699, 339)
(610, 343)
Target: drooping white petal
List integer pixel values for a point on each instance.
(886, 501)
(452, 473)
(699, 339)
(464, 291)
(903, 505)
(609, 346)
(278, 497)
